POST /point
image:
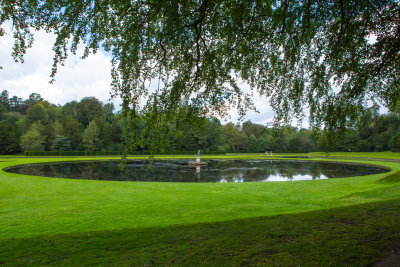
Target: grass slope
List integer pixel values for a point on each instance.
(348, 236)
(64, 214)
(376, 155)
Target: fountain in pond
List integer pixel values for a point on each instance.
(198, 162)
(198, 171)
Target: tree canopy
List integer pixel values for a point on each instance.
(329, 57)
(59, 128)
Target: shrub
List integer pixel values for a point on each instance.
(395, 143)
(363, 146)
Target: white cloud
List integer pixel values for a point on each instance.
(264, 115)
(75, 80)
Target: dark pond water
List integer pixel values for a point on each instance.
(215, 171)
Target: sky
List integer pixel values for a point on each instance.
(77, 78)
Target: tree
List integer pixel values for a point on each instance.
(265, 143)
(54, 113)
(50, 132)
(348, 142)
(61, 143)
(300, 142)
(231, 135)
(106, 135)
(395, 143)
(253, 144)
(4, 100)
(214, 134)
(330, 55)
(363, 146)
(90, 136)
(8, 138)
(88, 109)
(17, 104)
(286, 134)
(36, 113)
(325, 143)
(116, 132)
(73, 130)
(33, 99)
(3, 109)
(32, 140)
(382, 141)
(57, 128)
(108, 112)
(70, 109)
(251, 128)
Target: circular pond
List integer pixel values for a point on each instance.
(215, 171)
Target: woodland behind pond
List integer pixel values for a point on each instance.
(35, 124)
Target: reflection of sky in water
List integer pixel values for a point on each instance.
(280, 178)
(275, 178)
(235, 179)
(222, 171)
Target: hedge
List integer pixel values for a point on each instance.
(71, 153)
(112, 153)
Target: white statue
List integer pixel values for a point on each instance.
(198, 157)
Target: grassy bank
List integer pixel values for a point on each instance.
(36, 211)
(376, 155)
(349, 236)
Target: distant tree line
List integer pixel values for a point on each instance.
(35, 124)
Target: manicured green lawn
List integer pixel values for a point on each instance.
(46, 220)
(381, 155)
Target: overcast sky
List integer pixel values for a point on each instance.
(74, 81)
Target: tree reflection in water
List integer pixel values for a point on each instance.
(214, 171)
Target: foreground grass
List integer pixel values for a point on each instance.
(55, 219)
(349, 236)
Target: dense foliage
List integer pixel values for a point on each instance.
(35, 124)
(328, 57)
